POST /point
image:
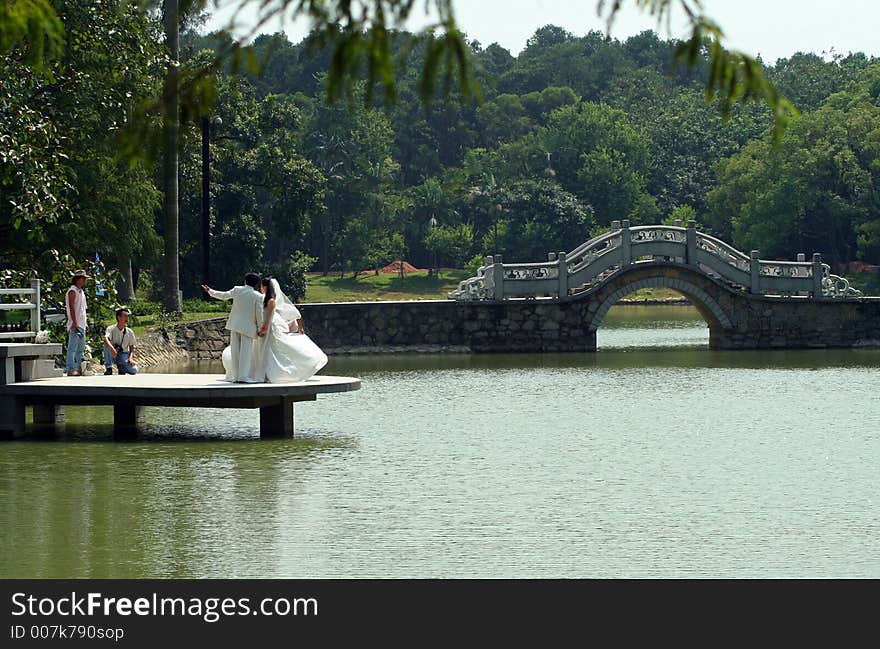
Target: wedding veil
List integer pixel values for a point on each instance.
(283, 306)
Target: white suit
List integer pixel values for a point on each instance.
(245, 319)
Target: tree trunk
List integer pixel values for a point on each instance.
(171, 135)
(126, 282)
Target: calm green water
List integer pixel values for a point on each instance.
(653, 457)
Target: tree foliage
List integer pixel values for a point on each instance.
(573, 133)
(61, 181)
(819, 190)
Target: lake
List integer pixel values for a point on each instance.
(654, 457)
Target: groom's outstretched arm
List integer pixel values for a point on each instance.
(219, 295)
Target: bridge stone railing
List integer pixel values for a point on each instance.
(568, 274)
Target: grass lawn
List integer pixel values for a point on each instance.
(366, 288)
(371, 287)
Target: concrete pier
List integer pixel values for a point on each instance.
(11, 416)
(49, 417)
(277, 420)
(129, 394)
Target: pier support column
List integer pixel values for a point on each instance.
(11, 417)
(127, 419)
(49, 417)
(277, 420)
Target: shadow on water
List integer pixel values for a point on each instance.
(620, 358)
(178, 425)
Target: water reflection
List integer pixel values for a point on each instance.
(634, 461)
(656, 326)
(125, 510)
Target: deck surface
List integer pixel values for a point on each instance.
(196, 389)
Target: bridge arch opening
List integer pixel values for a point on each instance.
(645, 326)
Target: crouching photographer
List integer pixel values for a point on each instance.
(119, 346)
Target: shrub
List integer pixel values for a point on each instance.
(204, 306)
(143, 307)
(472, 266)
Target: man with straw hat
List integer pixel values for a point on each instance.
(77, 326)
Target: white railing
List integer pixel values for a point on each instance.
(32, 305)
(595, 260)
(590, 252)
(480, 287)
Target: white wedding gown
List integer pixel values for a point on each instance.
(282, 357)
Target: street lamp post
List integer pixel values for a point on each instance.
(207, 125)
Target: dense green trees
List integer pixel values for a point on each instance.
(819, 190)
(571, 134)
(264, 193)
(526, 219)
(62, 184)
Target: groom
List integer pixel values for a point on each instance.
(245, 319)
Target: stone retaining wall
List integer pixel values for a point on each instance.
(419, 327)
(203, 340)
(155, 348)
(764, 324)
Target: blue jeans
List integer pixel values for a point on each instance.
(121, 362)
(76, 345)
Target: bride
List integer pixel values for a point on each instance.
(285, 353)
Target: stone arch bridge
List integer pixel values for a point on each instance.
(557, 305)
(747, 302)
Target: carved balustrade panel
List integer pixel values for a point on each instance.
(658, 234)
(475, 288)
(523, 273)
(716, 260)
(786, 269)
(836, 286)
(723, 253)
